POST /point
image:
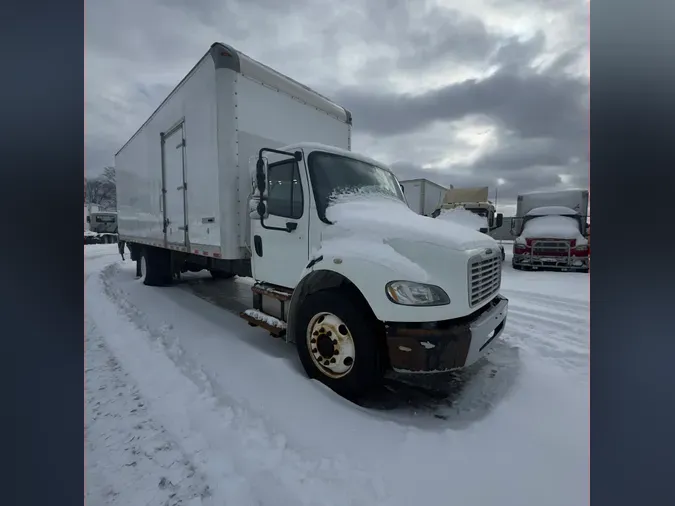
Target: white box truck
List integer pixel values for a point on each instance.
(550, 231)
(237, 172)
(423, 196)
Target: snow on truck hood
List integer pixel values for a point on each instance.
(388, 219)
(463, 217)
(553, 227)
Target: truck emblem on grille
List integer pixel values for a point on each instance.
(487, 252)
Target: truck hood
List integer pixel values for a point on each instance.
(551, 227)
(391, 221)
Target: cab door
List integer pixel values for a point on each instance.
(279, 255)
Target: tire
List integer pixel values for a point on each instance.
(357, 331)
(155, 267)
(221, 274)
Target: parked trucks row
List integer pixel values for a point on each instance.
(243, 171)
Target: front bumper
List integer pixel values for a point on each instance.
(442, 346)
(550, 262)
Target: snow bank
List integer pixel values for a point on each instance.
(238, 407)
(381, 218)
(463, 217)
(554, 227)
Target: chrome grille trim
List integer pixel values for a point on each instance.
(484, 277)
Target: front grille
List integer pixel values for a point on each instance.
(485, 277)
(550, 248)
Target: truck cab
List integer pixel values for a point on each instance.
(552, 237)
(475, 201)
(356, 279)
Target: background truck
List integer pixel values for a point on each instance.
(457, 203)
(243, 171)
(550, 230)
(423, 196)
(104, 224)
(100, 226)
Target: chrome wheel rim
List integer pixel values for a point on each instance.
(331, 345)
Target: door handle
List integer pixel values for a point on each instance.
(291, 226)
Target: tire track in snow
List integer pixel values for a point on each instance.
(540, 299)
(245, 462)
(130, 458)
(562, 339)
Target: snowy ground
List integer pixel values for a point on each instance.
(188, 405)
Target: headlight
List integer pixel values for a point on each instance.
(409, 293)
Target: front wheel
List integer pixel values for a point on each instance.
(338, 343)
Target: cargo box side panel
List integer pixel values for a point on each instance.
(574, 199)
(201, 158)
(433, 196)
(139, 164)
(139, 189)
(229, 171)
(271, 118)
(413, 194)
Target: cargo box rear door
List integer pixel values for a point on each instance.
(173, 174)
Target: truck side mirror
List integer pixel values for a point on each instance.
(261, 175)
(500, 220)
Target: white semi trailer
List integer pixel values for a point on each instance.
(238, 172)
(423, 196)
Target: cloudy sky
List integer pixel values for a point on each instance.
(480, 92)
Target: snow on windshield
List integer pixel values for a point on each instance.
(462, 216)
(331, 173)
(554, 227)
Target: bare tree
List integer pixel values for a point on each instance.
(102, 190)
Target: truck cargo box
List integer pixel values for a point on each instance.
(423, 196)
(183, 178)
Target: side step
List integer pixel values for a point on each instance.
(257, 318)
(272, 291)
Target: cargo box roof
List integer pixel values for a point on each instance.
(225, 56)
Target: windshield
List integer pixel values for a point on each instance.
(332, 174)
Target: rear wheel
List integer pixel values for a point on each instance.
(338, 343)
(155, 266)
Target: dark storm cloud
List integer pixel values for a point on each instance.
(446, 34)
(532, 104)
(541, 114)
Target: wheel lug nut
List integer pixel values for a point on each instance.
(315, 333)
(332, 360)
(313, 341)
(313, 350)
(329, 333)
